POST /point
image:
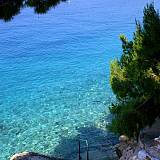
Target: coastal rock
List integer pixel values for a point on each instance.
(31, 156)
(147, 147)
(126, 148)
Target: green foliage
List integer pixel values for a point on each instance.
(10, 8)
(135, 78)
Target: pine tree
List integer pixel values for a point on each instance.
(135, 77)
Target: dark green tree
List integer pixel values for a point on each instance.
(135, 77)
(10, 8)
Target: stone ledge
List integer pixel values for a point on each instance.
(31, 156)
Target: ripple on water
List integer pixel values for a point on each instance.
(52, 118)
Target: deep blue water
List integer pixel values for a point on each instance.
(54, 71)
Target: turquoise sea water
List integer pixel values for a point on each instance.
(54, 71)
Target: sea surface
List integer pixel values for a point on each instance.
(54, 72)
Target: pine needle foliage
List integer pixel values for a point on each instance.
(135, 77)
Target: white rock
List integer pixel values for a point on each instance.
(29, 156)
(123, 138)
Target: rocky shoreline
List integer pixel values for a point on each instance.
(147, 147)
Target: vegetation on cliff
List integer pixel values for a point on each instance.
(135, 77)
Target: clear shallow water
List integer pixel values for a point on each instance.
(54, 71)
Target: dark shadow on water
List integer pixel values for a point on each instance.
(101, 145)
(11, 8)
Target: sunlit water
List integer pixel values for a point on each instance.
(54, 71)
